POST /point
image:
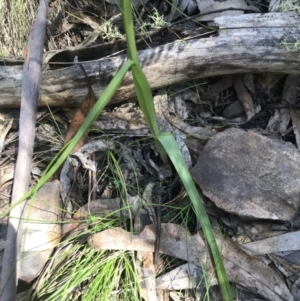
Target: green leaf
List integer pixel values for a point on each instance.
(67, 149)
(170, 145)
(141, 84)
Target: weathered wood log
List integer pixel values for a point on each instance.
(245, 43)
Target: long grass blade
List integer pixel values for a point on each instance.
(92, 116)
(141, 84)
(170, 145)
(167, 145)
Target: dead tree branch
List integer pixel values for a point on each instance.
(29, 99)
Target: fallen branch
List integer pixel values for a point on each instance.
(30, 92)
(245, 43)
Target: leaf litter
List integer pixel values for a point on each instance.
(273, 259)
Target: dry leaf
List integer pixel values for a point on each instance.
(186, 276)
(286, 267)
(244, 97)
(68, 172)
(290, 88)
(146, 273)
(161, 103)
(296, 124)
(289, 96)
(42, 231)
(225, 82)
(280, 120)
(80, 116)
(266, 81)
(102, 207)
(280, 243)
(248, 82)
(249, 272)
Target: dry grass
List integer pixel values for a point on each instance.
(289, 5)
(18, 18)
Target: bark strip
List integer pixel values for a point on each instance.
(29, 98)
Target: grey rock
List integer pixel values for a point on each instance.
(234, 110)
(250, 175)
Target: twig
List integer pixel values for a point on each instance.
(29, 99)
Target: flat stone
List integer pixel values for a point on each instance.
(234, 110)
(250, 175)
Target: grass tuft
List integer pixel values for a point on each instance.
(290, 43)
(17, 19)
(289, 5)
